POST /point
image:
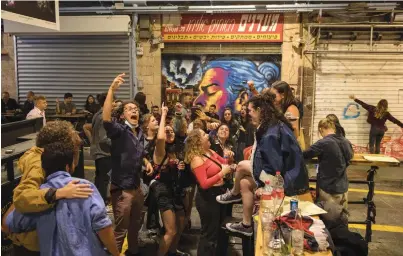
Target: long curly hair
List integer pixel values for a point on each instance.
(269, 114)
(146, 120)
(193, 145)
(381, 109)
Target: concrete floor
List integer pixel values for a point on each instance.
(389, 213)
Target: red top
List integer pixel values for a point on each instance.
(209, 173)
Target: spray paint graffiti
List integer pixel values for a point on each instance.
(351, 111)
(221, 80)
(391, 145)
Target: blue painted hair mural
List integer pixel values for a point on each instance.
(241, 71)
(221, 81)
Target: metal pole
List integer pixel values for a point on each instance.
(133, 53)
(355, 25)
(353, 52)
(370, 39)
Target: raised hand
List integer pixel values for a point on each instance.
(117, 82)
(164, 109)
(57, 101)
(352, 97)
(202, 115)
(251, 85)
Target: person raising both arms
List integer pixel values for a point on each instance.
(377, 117)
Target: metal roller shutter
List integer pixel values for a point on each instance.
(370, 77)
(81, 65)
(224, 48)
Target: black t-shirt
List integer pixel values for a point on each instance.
(10, 105)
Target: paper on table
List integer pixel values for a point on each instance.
(381, 159)
(307, 208)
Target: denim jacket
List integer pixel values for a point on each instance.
(277, 149)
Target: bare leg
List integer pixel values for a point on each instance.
(247, 186)
(87, 128)
(243, 170)
(180, 224)
(169, 220)
(188, 202)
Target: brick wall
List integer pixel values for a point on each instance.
(291, 56)
(308, 84)
(8, 66)
(149, 66)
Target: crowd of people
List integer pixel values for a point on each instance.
(161, 159)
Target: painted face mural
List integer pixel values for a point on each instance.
(221, 81)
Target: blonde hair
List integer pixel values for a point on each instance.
(193, 145)
(326, 124)
(381, 109)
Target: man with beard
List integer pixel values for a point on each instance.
(126, 155)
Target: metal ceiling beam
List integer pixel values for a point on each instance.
(222, 8)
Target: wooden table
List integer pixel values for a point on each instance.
(359, 160)
(75, 119)
(31, 136)
(259, 234)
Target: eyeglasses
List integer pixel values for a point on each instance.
(131, 109)
(227, 114)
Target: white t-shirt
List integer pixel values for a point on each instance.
(36, 113)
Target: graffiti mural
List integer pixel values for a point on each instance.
(351, 111)
(219, 80)
(391, 145)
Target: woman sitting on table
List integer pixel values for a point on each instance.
(377, 117)
(209, 169)
(275, 149)
(334, 153)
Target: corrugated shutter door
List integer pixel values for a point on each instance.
(81, 65)
(224, 48)
(370, 77)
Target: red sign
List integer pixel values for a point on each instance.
(234, 27)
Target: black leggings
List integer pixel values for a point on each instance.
(213, 240)
(375, 138)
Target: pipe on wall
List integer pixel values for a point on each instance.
(352, 52)
(133, 62)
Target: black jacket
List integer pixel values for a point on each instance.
(334, 153)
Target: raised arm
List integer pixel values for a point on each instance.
(363, 104)
(58, 107)
(107, 111)
(74, 109)
(394, 120)
(159, 152)
(295, 124)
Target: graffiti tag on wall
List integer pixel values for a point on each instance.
(351, 111)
